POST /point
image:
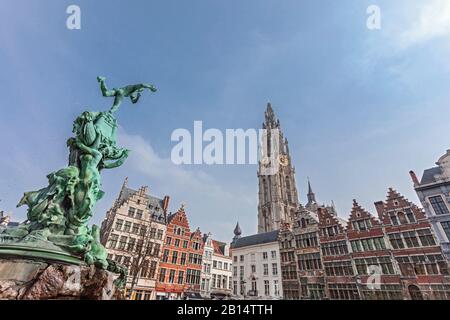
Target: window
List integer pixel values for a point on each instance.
(174, 257)
(185, 244)
(180, 277)
(215, 264)
(177, 243)
(136, 228)
(446, 227)
(156, 249)
(162, 274)
(143, 230)
(131, 243)
(171, 276)
(273, 254)
(139, 214)
(150, 248)
(234, 271)
(119, 224)
(242, 258)
(131, 212)
(363, 265)
(265, 255)
(139, 245)
(402, 218)
(127, 226)
(335, 248)
(183, 259)
(276, 289)
(343, 291)
(265, 269)
(438, 205)
(253, 268)
(168, 241)
(396, 241)
(113, 241)
(122, 242)
(235, 258)
(362, 225)
(411, 239)
(309, 261)
(410, 215)
(306, 240)
(339, 268)
(368, 244)
(394, 219)
(152, 271)
(160, 234)
(274, 269)
(165, 257)
(426, 237)
(406, 267)
(241, 272)
(266, 288)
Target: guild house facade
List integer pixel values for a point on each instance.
(394, 256)
(133, 232)
(180, 267)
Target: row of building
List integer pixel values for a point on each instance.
(322, 256)
(299, 252)
(164, 257)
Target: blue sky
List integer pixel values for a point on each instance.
(360, 107)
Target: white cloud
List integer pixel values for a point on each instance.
(210, 203)
(432, 20)
(145, 160)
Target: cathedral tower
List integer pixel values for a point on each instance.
(278, 198)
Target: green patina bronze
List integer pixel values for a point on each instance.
(57, 225)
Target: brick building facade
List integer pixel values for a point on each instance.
(181, 261)
(422, 265)
(393, 257)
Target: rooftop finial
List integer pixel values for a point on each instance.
(237, 230)
(311, 195)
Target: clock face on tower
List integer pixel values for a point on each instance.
(284, 161)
